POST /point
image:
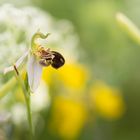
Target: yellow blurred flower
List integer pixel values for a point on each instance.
(68, 117)
(107, 101)
(71, 75)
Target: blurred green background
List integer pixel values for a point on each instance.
(97, 96)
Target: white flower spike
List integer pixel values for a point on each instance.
(38, 57)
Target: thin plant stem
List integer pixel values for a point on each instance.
(8, 86)
(129, 27)
(26, 92)
(5, 88)
(29, 115)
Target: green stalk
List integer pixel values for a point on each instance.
(25, 88)
(129, 27)
(28, 106)
(5, 88)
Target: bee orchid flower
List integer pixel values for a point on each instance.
(38, 57)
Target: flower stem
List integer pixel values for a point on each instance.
(25, 88)
(28, 106)
(5, 88)
(8, 86)
(129, 27)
